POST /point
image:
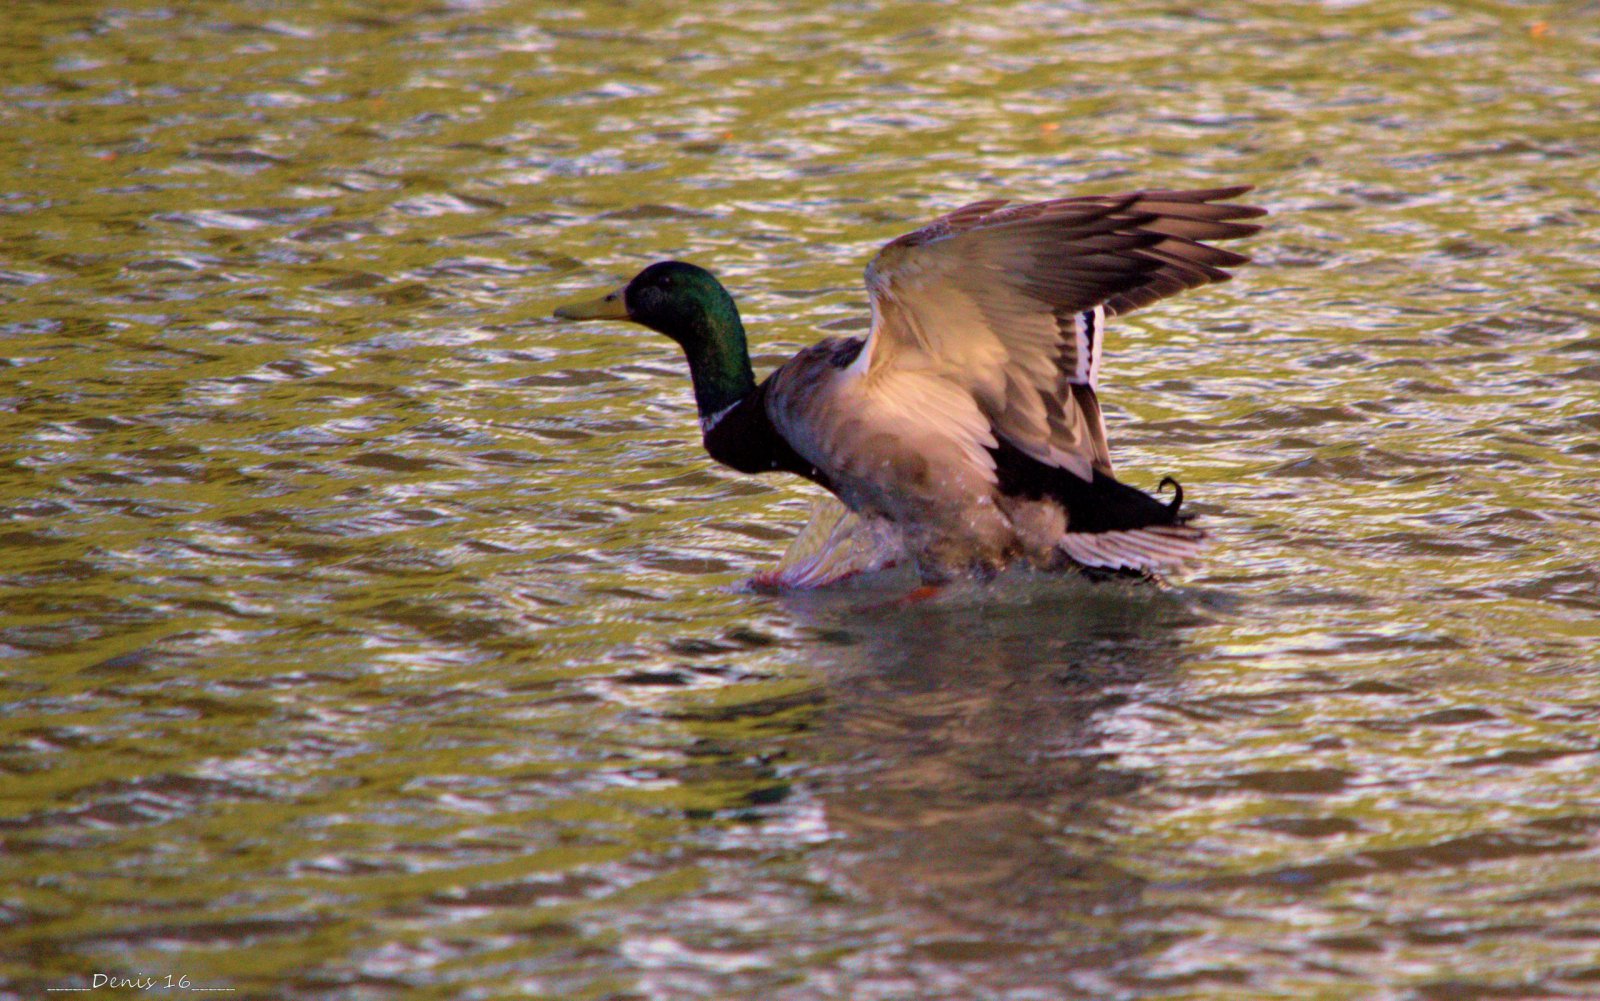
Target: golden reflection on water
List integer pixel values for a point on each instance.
(366, 633)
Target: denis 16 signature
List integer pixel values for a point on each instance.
(107, 981)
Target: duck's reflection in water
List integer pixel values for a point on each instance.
(964, 782)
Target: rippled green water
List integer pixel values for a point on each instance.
(368, 634)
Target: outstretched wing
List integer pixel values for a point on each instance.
(1009, 302)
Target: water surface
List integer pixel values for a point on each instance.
(368, 634)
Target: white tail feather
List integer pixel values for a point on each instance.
(1154, 547)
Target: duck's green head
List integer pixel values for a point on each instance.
(678, 299)
(689, 305)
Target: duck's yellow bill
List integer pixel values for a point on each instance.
(611, 306)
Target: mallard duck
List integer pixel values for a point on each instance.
(965, 426)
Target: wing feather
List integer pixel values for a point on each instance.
(1008, 302)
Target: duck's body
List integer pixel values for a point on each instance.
(965, 427)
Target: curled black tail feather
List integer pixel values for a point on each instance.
(1110, 525)
(1103, 504)
(1177, 498)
